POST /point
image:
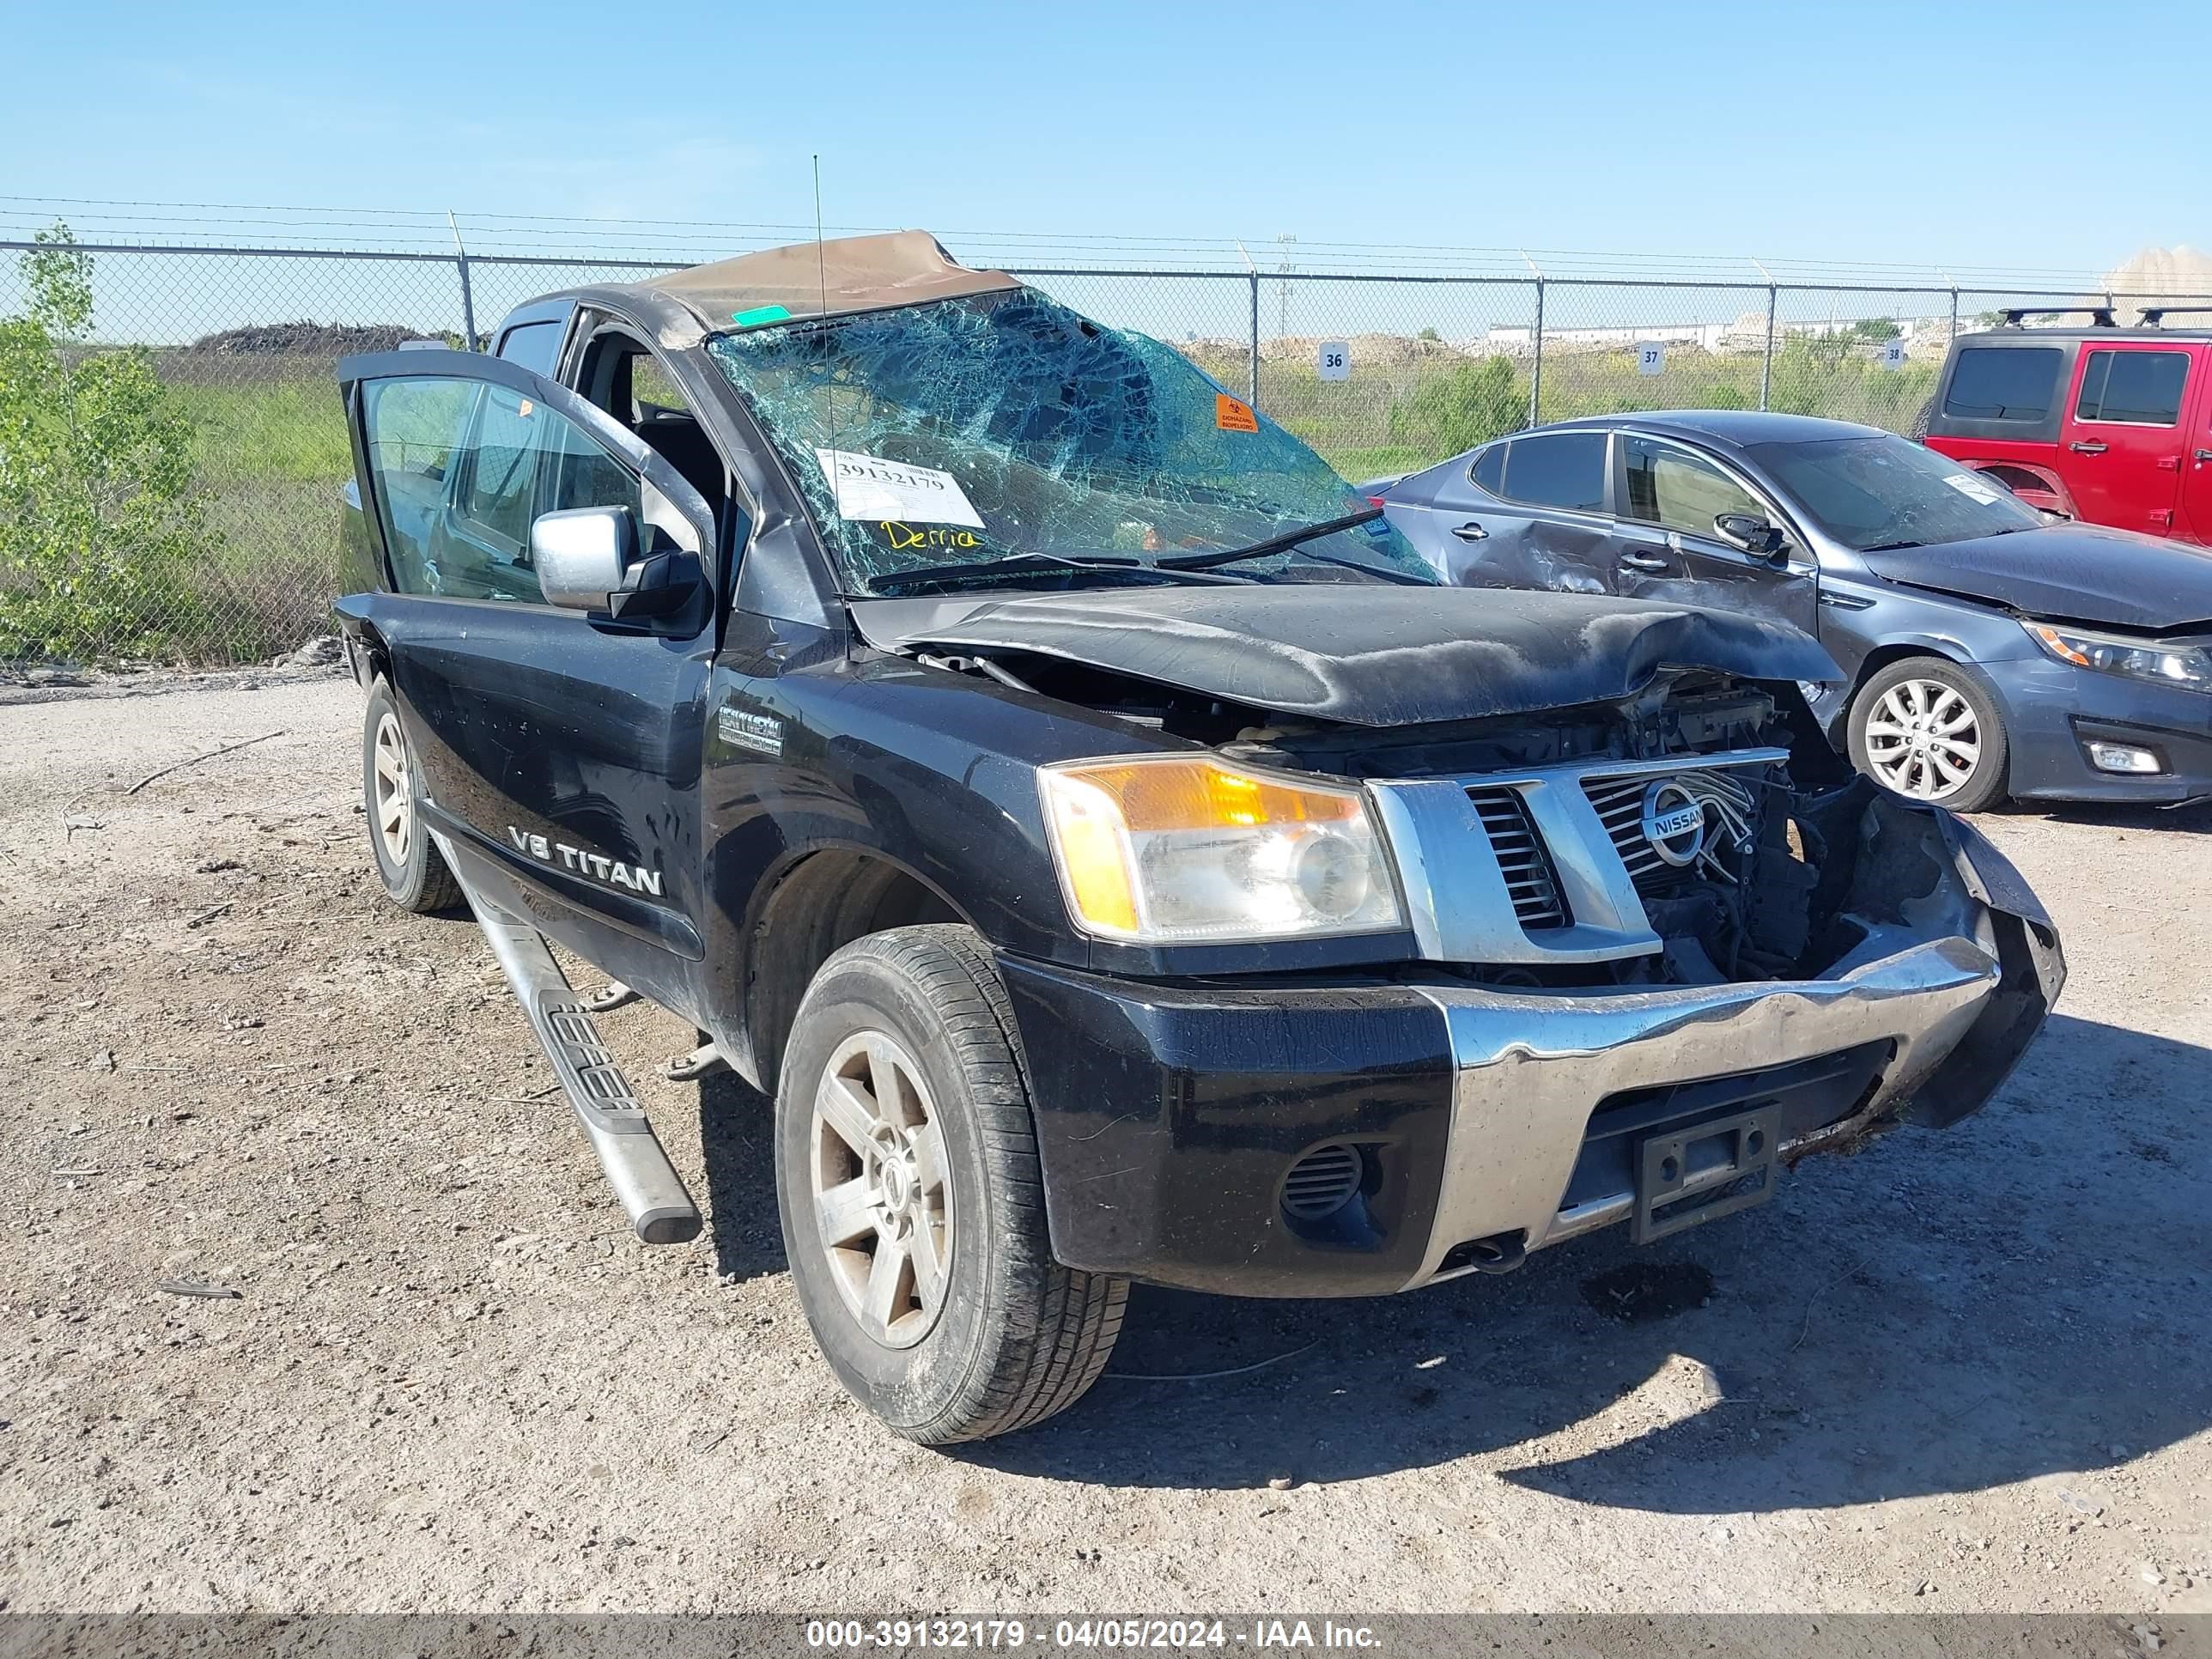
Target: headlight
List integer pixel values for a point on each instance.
(2188, 665)
(1182, 849)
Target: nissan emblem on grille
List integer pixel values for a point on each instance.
(1673, 822)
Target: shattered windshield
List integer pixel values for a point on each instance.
(1004, 429)
(1876, 493)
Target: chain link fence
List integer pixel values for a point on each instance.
(240, 346)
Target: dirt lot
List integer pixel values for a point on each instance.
(1966, 1370)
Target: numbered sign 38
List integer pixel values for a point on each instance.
(1893, 353)
(1651, 358)
(1333, 358)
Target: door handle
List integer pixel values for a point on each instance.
(1648, 562)
(2204, 454)
(2091, 447)
(1471, 532)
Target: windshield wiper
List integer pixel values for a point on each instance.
(1892, 547)
(1274, 544)
(1053, 563)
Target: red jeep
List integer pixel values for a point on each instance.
(2106, 424)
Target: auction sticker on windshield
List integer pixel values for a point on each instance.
(867, 488)
(1974, 489)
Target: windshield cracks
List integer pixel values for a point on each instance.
(1002, 438)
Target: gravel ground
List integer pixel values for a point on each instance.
(1958, 1371)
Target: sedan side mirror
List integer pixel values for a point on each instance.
(1751, 533)
(581, 554)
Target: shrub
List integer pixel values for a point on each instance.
(1471, 404)
(99, 523)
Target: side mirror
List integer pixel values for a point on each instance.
(2050, 516)
(1750, 533)
(581, 554)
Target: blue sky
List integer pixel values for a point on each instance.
(2021, 135)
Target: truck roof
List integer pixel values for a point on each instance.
(814, 279)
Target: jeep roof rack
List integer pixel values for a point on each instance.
(2153, 316)
(2101, 316)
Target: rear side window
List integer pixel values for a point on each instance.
(532, 345)
(2136, 388)
(2003, 383)
(1489, 468)
(1556, 468)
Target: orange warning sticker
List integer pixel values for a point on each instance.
(1232, 417)
(524, 409)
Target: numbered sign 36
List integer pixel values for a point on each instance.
(1651, 358)
(1334, 360)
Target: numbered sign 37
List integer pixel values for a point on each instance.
(1651, 358)
(1333, 358)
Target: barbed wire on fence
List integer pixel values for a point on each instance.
(240, 340)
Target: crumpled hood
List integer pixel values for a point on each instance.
(1364, 655)
(2069, 572)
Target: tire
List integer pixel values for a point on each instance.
(1939, 695)
(1009, 1337)
(413, 871)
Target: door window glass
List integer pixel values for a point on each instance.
(1560, 469)
(1489, 468)
(2003, 383)
(1680, 489)
(532, 345)
(2138, 388)
(460, 468)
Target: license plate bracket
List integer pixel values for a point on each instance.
(1704, 1172)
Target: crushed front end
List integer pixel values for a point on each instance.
(1656, 968)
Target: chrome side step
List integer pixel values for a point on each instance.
(645, 1182)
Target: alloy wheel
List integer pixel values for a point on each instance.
(1923, 740)
(394, 804)
(883, 1190)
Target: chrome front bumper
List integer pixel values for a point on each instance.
(1532, 1069)
(1957, 979)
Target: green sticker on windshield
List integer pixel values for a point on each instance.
(760, 314)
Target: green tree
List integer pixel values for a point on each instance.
(98, 520)
(1474, 403)
(1875, 329)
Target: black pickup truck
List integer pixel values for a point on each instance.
(1098, 831)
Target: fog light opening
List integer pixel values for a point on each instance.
(1322, 1182)
(2124, 757)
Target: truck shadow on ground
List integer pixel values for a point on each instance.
(2016, 1298)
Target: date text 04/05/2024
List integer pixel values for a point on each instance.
(1169, 1635)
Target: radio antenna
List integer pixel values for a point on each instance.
(822, 280)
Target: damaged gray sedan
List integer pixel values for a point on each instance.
(1093, 826)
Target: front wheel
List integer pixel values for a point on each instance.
(911, 1202)
(1924, 730)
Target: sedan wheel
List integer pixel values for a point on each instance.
(1927, 731)
(1923, 740)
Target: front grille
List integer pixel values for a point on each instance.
(1529, 876)
(1729, 803)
